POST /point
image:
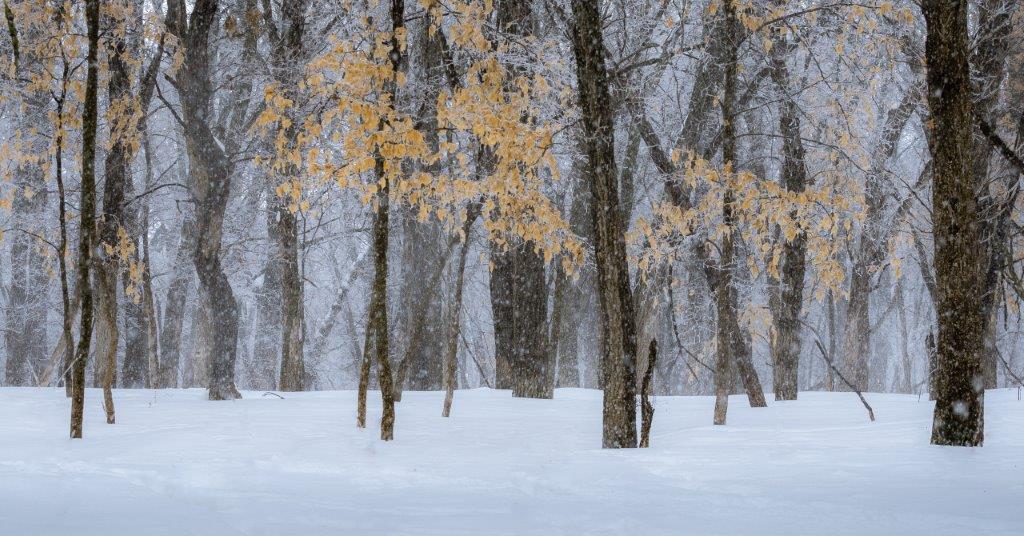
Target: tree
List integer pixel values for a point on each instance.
(959, 403)
(211, 169)
(617, 315)
(287, 62)
(786, 346)
(88, 208)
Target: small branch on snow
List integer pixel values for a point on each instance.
(273, 394)
(824, 355)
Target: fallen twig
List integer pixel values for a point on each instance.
(824, 355)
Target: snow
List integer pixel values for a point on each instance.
(176, 464)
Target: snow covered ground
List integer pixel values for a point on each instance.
(177, 464)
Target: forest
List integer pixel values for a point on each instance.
(690, 226)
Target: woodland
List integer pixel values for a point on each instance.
(640, 199)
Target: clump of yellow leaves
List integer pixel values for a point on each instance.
(496, 152)
(767, 217)
(124, 253)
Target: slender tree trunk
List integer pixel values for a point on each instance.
(88, 211)
(269, 305)
(959, 403)
(646, 408)
(907, 384)
(379, 298)
(450, 362)
(178, 291)
(67, 315)
(111, 231)
(617, 315)
(148, 299)
(732, 349)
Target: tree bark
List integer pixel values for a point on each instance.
(786, 346)
(268, 342)
(646, 408)
(617, 315)
(111, 221)
(732, 349)
(212, 170)
(379, 298)
(959, 403)
(88, 214)
(450, 362)
(288, 58)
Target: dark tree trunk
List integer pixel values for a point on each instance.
(211, 170)
(288, 59)
(786, 346)
(959, 402)
(646, 408)
(379, 297)
(614, 290)
(501, 283)
(522, 321)
(88, 215)
(519, 290)
(111, 221)
(293, 334)
(733, 349)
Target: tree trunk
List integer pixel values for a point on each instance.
(64, 355)
(178, 291)
(456, 316)
(856, 349)
(959, 403)
(88, 214)
(617, 315)
(786, 346)
(293, 334)
(105, 290)
(732, 348)
(288, 59)
(111, 222)
(269, 305)
(379, 297)
(211, 170)
(646, 408)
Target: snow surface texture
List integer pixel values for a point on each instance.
(176, 464)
